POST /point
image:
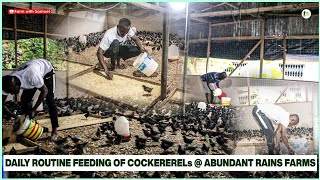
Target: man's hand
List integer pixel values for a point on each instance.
(109, 75)
(32, 114)
(144, 50)
(16, 124)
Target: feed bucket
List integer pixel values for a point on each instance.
(30, 129)
(225, 101)
(145, 64)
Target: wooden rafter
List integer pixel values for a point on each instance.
(254, 38)
(256, 10)
(246, 57)
(211, 6)
(232, 5)
(161, 9)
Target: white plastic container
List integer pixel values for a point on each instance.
(217, 92)
(173, 52)
(202, 106)
(145, 64)
(121, 126)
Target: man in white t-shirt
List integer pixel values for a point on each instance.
(33, 75)
(268, 114)
(112, 46)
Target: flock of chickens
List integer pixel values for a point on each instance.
(203, 132)
(209, 125)
(152, 39)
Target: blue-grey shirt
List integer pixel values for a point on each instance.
(211, 77)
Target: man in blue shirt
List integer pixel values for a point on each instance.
(210, 82)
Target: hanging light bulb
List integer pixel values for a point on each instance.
(178, 6)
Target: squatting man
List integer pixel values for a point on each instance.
(112, 46)
(268, 114)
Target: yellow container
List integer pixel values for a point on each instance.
(225, 101)
(30, 129)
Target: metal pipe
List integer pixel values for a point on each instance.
(165, 42)
(186, 54)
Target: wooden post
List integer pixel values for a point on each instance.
(15, 40)
(165, 42)
(45, 28)
(306, 88)
(281, 94)
(186, 55)
(208, 47)
(284, 55)
(246, 57)
(262, 46)
(248, 83)
(15, 47)
(67, 73)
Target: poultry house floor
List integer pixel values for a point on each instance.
(121, 89)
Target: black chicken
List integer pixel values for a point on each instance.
(81, 146)
(165, 144)
(212, 143)
(205, 148)
(12, 151)
(156, 175)
(147, 89)
(155, 138)
(5, 141)
(146, 133)
(187, 140)
(181, 150)
(61, 140)
(74, 139)
(98, 133)
(140, 144)
(154, 132)
(142, 140)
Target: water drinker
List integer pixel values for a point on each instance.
(145, 64)
(202, 106)
(30, 129)
(121, 126)
(173, 53)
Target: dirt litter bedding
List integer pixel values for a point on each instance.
(88, 56)
(121, 89)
